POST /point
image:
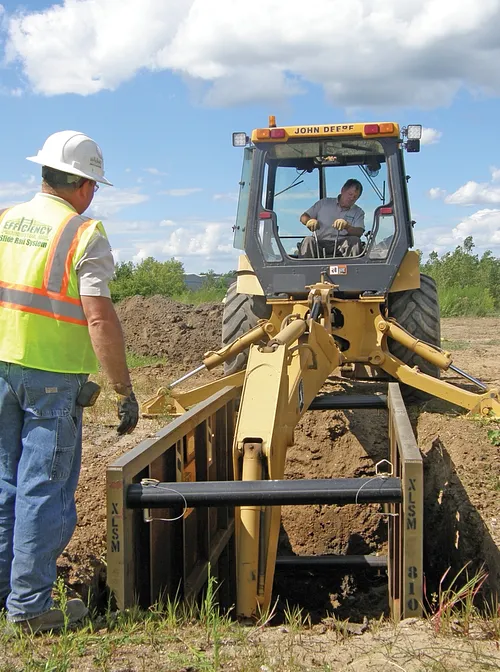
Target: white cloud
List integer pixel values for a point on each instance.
(478, 193)
(199, 245)
(437, 193)
(430, 136)
(153, 171)
(17, 192)
(109, 201)
(230, 196)
(168, 222)
(483, 226)
(181, 192)
(412, 53)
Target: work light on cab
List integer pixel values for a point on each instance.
(414, 132)
(240, 139)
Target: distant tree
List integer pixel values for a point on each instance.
(212, 280)
(467, 283)
(147, 278)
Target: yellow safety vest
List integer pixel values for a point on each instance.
(42, 323)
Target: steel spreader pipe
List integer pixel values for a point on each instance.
(319, 562)
(376, 490)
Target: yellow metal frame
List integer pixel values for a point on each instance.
(141, 555)
(406, 523)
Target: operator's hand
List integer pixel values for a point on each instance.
(340, 224)
(128, 412)
(312, 224)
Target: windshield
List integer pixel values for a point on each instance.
(298, 175)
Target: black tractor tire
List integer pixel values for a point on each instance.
(417, 311)
(241, 313)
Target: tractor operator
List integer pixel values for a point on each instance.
(338, 224)
(57, 322)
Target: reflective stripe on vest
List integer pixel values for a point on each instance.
(51, 300)
(57, 270)
(42, 305)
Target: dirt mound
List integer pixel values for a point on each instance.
(160, 326)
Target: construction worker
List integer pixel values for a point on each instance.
(337, 222)
(56, 323)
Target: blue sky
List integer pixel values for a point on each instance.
(161, 85)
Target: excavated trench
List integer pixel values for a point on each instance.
(459, 502)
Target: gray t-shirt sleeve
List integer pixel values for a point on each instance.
(359, 218)
(96, 268)
(313, 211)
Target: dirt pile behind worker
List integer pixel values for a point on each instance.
(160, 326)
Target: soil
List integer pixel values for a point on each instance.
(165, 328)
(461, 464)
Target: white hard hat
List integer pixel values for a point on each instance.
(74, 153)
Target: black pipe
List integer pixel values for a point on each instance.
(327, 402)
(376, 490)
(319, 562)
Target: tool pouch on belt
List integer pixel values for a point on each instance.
(88, 394)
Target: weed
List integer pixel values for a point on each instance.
(494, 436)
(454, 605)
(448, 344)
(295, 618)
(491, 620)
(135, 360)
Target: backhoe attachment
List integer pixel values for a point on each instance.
(160, 404)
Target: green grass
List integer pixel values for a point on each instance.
(134, 360)
(188, 297)
(174, 636)
(449, 344)
(472, 301)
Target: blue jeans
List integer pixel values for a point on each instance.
(40, 456)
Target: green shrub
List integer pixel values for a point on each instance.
(468, 285)
(147, 278)
(195, 297)
(470, 301)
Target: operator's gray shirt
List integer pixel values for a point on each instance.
(327, 210)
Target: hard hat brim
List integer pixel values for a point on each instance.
(64, 169)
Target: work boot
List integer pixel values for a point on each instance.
(53, 619)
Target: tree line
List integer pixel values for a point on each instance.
(151, 277)
(468, 284)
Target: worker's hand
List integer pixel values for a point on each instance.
(312, 224)
(340, 224)
(128, 412)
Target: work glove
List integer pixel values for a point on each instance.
(128, 413)
(340, 224)
(312, 224)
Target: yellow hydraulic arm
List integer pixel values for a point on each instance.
(282, 378)
(160, 404)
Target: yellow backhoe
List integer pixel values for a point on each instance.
(292, 321)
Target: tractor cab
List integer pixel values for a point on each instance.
(286, 170)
